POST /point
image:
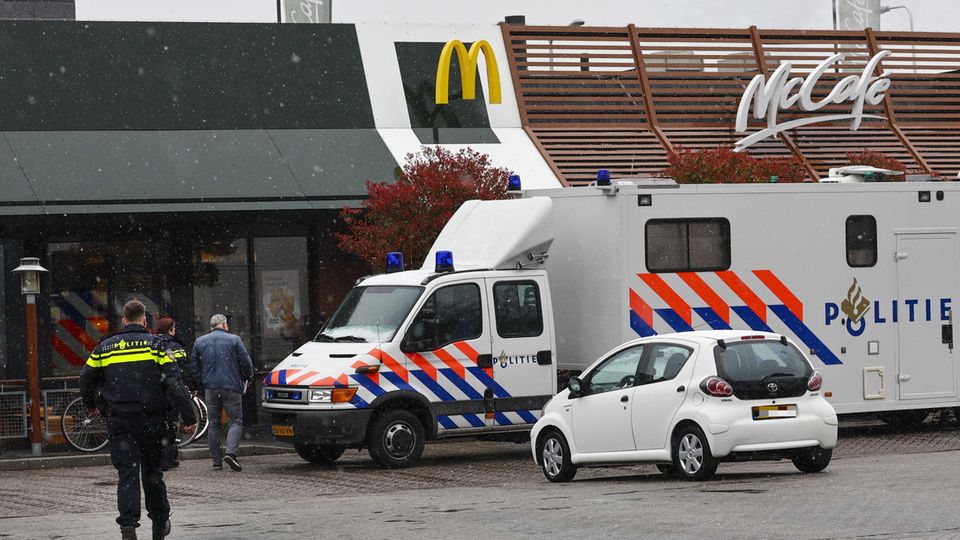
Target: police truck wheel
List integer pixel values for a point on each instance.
(911, 419)
(396, 439)
(812, 460)
(554, 453)
(691, 455)
(321, 454)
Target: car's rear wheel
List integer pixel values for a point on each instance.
(321, 454)
(555, 459)
(812, 460)
(691, 454)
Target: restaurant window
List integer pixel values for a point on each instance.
(90, 283)
(221, 284)
(861, 241)
(281, 296)
(687, 245)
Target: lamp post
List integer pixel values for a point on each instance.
(888, 9)
(30, 271)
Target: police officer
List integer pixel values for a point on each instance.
(135, 376)
(167, 341)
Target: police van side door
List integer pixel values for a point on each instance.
(446, 341)
(522, 368)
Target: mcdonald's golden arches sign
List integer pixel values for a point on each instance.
(468, 70)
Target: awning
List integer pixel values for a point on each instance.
(77, 172)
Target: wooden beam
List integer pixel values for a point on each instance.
(890, 112)
(645, 88)
(762, 67)
(512, 63)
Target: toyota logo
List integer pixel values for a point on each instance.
(772, 388)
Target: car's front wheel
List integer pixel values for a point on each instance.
(555, 457)
(691, 454)
(812, 460)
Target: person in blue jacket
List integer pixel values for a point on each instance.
(222, 365)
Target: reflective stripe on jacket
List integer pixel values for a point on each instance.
(134, 375)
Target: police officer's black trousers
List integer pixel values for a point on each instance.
(136, 452)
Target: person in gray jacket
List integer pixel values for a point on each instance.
(222, 365)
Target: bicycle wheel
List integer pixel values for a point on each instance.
(85, 432)
(183, 439)
(203, 420)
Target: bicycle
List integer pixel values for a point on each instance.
(88, 432)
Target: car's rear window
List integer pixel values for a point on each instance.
(750, 366)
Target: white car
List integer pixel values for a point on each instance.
(687, 401)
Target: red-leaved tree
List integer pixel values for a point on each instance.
(407, 215)
(721, 165)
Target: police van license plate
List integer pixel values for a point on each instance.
(771, 412)
(282, 431)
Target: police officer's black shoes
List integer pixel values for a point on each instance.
(160, 529)
(128, 533)
(231, 460)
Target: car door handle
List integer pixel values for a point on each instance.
(681, 388)
(625, 399)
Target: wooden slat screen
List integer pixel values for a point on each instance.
(622, 97)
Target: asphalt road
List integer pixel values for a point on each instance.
(882, 484)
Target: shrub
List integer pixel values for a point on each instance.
(721, 165)
(878, 160)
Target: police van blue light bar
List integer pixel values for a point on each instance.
(513, 184)
(444, 261)
(603, 177)
(394, 261)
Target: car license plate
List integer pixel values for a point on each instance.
(772, 412)
(282, 431)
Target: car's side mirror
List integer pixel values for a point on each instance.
(575, 385)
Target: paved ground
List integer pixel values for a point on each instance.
(884, 482)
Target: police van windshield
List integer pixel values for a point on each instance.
(370, 314)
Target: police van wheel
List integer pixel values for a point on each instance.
(911, 419)
(321, 454)
(396, 439)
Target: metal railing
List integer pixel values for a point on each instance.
(13, 415)
(54, 404)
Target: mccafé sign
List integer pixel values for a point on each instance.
(467, 61)
(765, 98)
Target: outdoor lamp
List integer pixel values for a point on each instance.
(29, 271)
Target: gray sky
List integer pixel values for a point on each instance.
(929, 15)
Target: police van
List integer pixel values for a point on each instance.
(518, 293)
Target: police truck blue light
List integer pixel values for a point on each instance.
(444, 261)
(603, 177)
(394, 261)
(513, 183)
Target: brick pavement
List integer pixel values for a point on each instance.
(445, 464)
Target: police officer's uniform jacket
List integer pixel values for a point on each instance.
(135, 375)
(175, 349)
